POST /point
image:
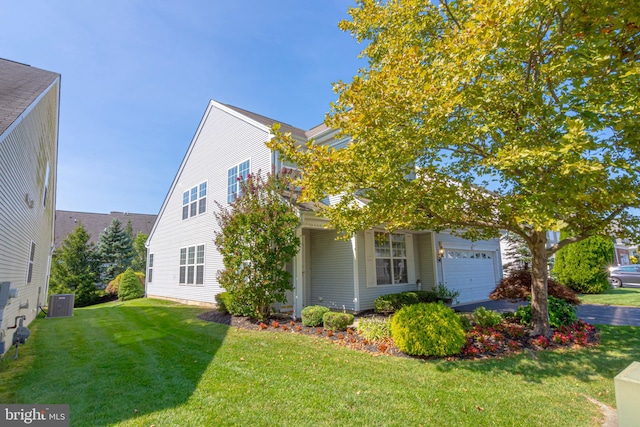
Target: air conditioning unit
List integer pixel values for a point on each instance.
(61, 305)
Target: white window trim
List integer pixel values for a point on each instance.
(235, 184)
(199, 200)
(150, 269)
(31, 262)
(370, 260)
(195, 265)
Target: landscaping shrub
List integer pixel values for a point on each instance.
(223, 299)
(487, 318)
(130, 286)
(427, 329)
(391, 303)
(312, 315)
(374, 328)
(465, 320)
(333, 321)
(517, 287)
(582, 265)
(114, 286)
(561, 313)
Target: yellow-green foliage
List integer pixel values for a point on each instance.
(430, 329)
(114, 286)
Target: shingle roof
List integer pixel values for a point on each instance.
(20, 85)
(284, 127)
(95, 223)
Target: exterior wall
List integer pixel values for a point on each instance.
(25, 215)
(223, 140)
(368, 294)
(331, 271)
(426, 260)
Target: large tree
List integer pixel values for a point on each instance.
(115, 250)
(74, 268)
(257, 238)
(481, 115)
(139, 262)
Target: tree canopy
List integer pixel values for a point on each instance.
(115, 250)
(476, 116)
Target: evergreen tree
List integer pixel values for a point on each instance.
(582, 266)
(115, 251)
(139, 262)
(130, 286)
(74, 268)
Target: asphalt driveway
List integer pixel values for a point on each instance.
(590, 313)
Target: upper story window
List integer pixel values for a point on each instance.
(391, 258)
(194, 201)
(236, 174)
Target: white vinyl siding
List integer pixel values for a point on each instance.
(222, 140)
(331, 271)
(26, 148)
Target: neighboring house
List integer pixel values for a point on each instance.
(29, 111)
(509, 262)
(230, 143)
(96, 223)
(623, 250)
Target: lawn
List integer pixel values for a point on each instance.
(148, 362)
(620, 296)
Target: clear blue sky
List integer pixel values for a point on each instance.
(137, 76)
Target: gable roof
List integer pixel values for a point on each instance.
(95, 223)
(284, 127)
(20, 86)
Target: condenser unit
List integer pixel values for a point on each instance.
(61, 305)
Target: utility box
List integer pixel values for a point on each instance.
(627, 387)
(61, 305)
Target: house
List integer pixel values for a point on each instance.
(29, 111)
(96, 223)
(623, 251)
(229, 144)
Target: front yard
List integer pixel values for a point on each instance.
(620, 296)
(148, 362)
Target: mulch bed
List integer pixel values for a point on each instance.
(482, 343)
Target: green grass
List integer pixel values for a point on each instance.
(148, 362)
(620, 296)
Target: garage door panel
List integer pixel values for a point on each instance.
(472, 273)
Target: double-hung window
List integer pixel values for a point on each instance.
(235, 175)
(150, 269)
(192, 265)
(391, 258)
(194, 201)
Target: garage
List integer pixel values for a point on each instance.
(471, 272)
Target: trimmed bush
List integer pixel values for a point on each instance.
(487, 318)
(223, 299)
(312, 315)
(561, 313)
(374, 328)
(582, 265)
(517, 287)
(391, 303)
(333, 321)
(114, 286)
(428, 329)
(130, 286)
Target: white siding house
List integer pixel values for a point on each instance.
(29, 110)
(339, 274)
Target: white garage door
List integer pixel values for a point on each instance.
(472, 273)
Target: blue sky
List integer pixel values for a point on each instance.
(137, 77)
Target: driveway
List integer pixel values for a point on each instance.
(590, 313)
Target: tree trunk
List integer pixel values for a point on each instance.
(539, 300)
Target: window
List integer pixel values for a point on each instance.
(150, 272)
(32, 256)
(234, 176)
(192, 265)
(194, 201)
(46, 186)
(391, 258)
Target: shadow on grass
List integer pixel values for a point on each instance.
(619, 346)
(118, 361)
